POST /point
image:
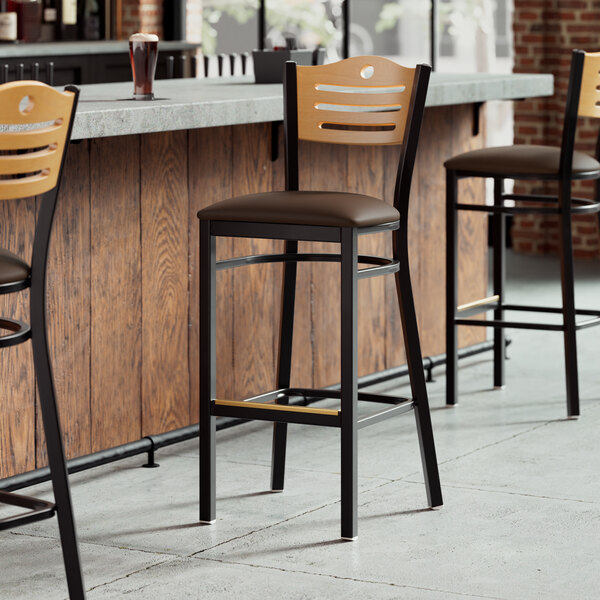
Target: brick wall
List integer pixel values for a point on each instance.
(142, 15)
(545, 32)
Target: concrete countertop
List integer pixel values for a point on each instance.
(107, 109)
(45, 49)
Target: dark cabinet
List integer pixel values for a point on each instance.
(99, 67)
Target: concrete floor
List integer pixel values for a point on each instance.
(521, 486)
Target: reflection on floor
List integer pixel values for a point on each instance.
(522, 498)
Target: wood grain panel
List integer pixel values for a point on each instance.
(210, 180)
(68, 306)
(472, 226)
(428, 226)
(364, 177)
(302, 358)
(17, 393)
(116, 308)
(164, 215)
(122, 253)
(324, 167)
(394, 342)
(256, 289)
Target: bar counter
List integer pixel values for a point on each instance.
(122, 283)
(43, 50)
(107, 109)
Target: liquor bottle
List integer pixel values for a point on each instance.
(67, 19)
(49, 21)
(8, 23)
(90, 20)
(29, 19)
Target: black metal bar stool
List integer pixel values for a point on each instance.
(362, 101)
(526, 162)
(38, 121)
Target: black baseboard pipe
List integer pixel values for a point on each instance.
(149, 444)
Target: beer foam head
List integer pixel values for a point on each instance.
(143, 37)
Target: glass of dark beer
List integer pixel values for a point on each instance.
(143, 52)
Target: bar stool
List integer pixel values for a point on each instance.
(33, 150)
(361, 101)
(526, 162)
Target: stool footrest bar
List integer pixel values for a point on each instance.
(508, 324)
(21, 332)
(276, 412)
(383, 266)
(273, 395)
(578, 206)
(478, 306)
(386, 414)
(337, 394)
(588, 323)
(37, 510)
(549, 309)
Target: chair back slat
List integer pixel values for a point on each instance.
(334, 108)
(25, 187)
(32, 162)
(34, 122)
(589, 96)
(32, 138)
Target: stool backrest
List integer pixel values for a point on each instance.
(35, 123)
(589, 96)
(364, 100)
(361, 100)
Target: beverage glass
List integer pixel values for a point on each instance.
(143, 52)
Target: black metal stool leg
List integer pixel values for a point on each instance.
(416, 373)
(451, 288)
(349, 382)
(54, 443)
(568, 297)
(499, 246)
(284, 366)
(207, 374)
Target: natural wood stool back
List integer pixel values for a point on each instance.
(32, 153)
(342, 112)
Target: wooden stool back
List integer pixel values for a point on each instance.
(333, 108)
(35, 119)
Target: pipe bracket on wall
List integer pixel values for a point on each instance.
(477, 117)
(275, 126)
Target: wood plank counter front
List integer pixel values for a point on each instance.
(123, 280)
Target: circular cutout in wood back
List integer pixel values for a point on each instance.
(26, 105)
(367, 71)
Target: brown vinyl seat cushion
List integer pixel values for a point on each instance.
(12, 268)
(525, 160)
(329, 209)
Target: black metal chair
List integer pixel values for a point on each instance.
(38, 119)
(383, 105)
(526, 162)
